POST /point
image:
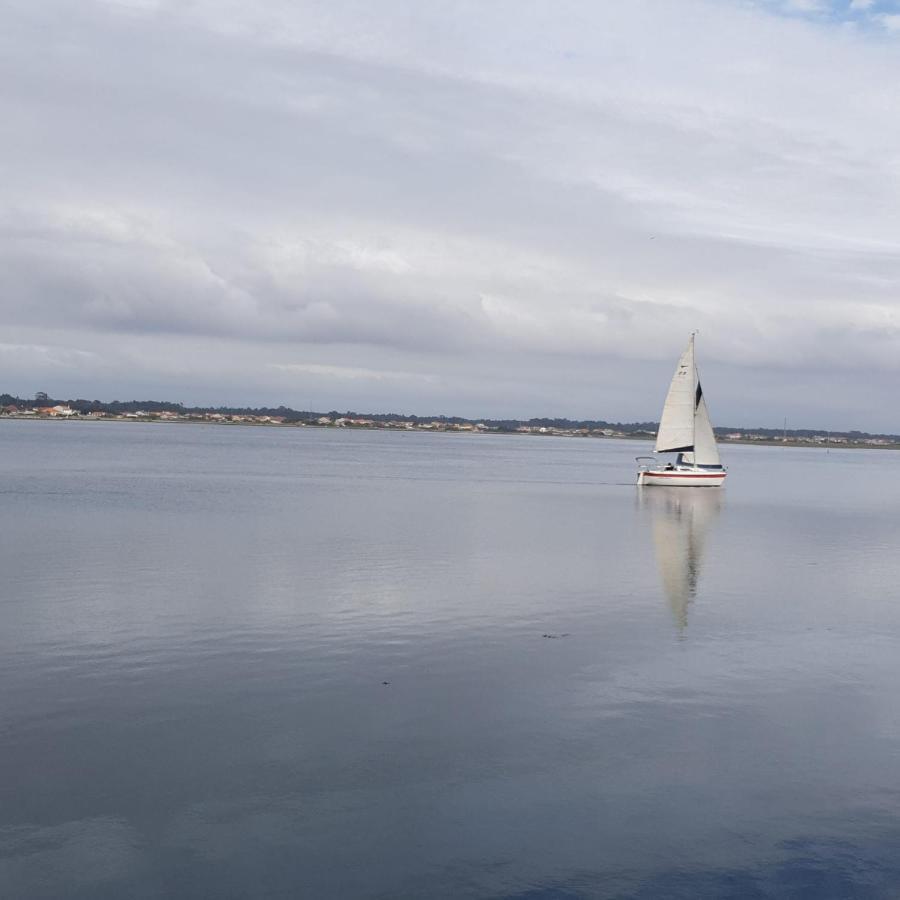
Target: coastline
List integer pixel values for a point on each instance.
(444, 428)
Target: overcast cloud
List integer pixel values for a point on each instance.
(507, 208)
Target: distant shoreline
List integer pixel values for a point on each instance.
(44, 406)
(443, 428)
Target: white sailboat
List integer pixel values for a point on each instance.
(684, 429)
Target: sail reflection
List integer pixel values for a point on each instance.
(680, 519)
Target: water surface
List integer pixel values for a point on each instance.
(592, 691)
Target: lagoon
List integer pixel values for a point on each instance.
(271, 662)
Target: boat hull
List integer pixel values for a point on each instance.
(681, 478)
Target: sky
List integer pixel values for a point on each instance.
(489, 208)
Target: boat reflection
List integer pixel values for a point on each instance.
(680, 520)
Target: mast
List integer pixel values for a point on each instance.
(696, 377)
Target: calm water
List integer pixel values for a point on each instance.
(196, 624)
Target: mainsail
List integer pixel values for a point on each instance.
(684, 426)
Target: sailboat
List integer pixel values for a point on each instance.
(684, 429)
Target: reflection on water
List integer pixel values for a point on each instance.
(681, 520)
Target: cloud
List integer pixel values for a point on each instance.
(890, 21)
(202, 189)
(806, 6)
(348, 373)
(41, 356)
